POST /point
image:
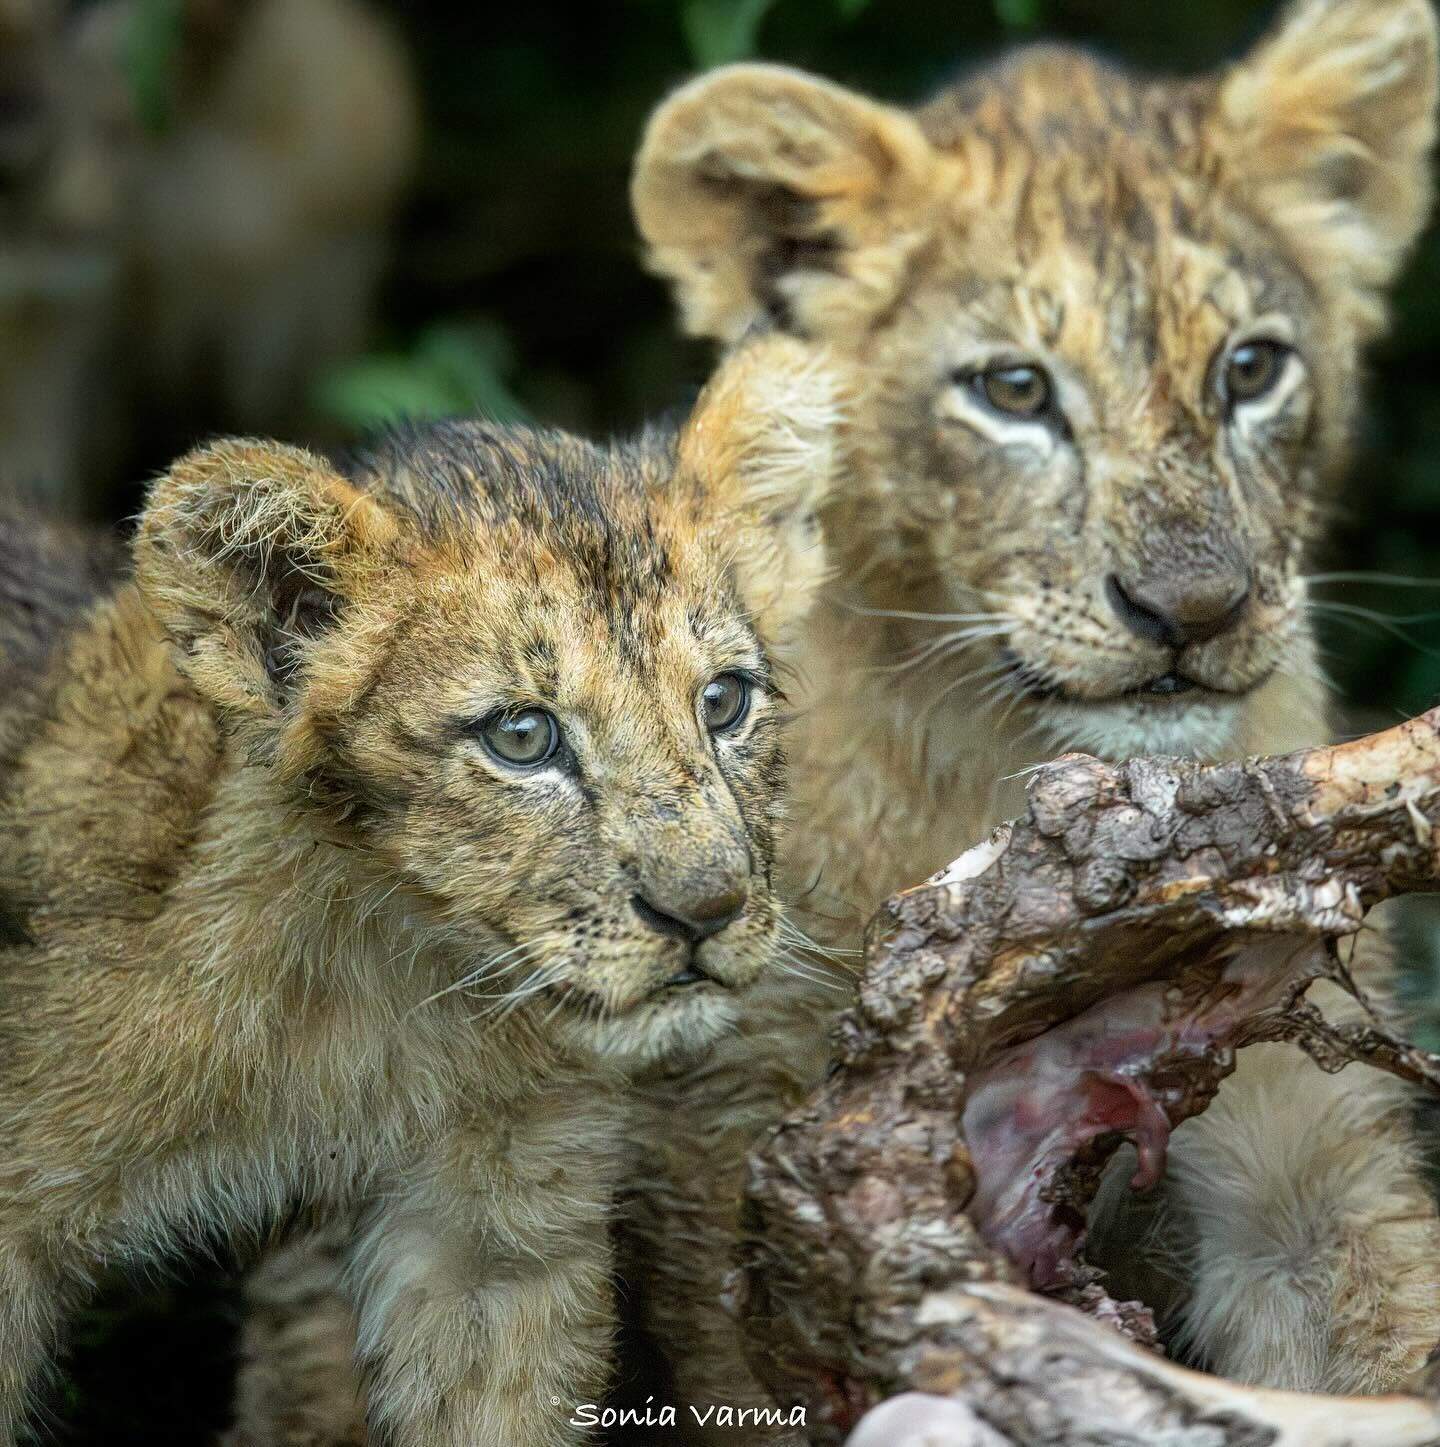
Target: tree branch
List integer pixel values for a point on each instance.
(1083, 977)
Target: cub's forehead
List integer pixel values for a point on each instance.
(1086, 215)
(459, 481)
(547, 546)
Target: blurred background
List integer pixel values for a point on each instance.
(308, 217)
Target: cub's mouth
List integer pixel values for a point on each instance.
(676, 993)
(1172, 713)
(687, 984)
(688, 978)
(680, 1014)
(1033, 682)
(679, 1019)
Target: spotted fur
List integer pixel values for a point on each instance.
(292, 935)
(1128, 235)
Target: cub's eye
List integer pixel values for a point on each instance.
(523, 740)
(1023, 391)
(1253, 370)
(724, 702)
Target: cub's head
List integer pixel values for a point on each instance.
(1105, 332)
(529, 682)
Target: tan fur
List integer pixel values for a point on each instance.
(48, 573)
(295, 936)
(296, 1382)
(1124, 234)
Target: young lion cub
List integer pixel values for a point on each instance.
(1107, 334)
(351, 846)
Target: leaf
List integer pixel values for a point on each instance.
(1018, 14)
(721, 31)
(150, 59)
(451, 370)
(851, 9)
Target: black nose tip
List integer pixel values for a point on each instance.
(697, 919)
(1178, 609)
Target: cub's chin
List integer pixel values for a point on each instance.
(1199, 725)
(673, 1024)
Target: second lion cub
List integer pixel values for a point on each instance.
(460, 773)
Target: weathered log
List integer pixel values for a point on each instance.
(1111, 950)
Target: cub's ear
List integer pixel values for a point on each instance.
(762, 448)
(763, 193)
(1330, 124)
(247, 551)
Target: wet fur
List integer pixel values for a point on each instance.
(266, 876)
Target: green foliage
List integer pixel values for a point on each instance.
(719, 32)
(150, 55)
(1019, 14)
(450, 369)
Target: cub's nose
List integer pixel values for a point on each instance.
(1179, 608)
(693, 917)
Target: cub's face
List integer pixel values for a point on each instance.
(570, 752)
(534, 684)
(1097, 428)
(1105, 335)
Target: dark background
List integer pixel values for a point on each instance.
(515, 286)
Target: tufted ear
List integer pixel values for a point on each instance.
(1330, 125)
(246, 552)
(763, 193)
(763, 444)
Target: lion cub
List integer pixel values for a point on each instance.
(1107, 336)
(361, 837)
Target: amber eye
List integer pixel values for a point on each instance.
(1253, 370)
(724, 702)
(1017, 391)
(523, 740)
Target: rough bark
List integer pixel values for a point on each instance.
(1082, 978)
